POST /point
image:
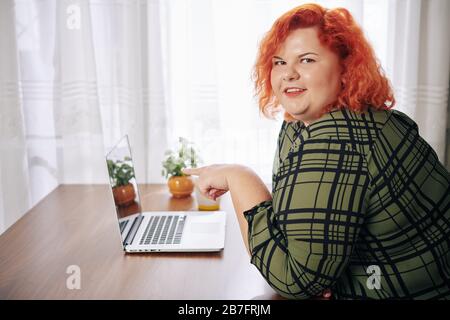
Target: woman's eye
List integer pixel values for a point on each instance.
(278, 63)
(308, 60)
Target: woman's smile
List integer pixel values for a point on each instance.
(291, 93)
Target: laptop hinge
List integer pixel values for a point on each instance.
(133, 230)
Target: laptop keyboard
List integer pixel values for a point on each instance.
(163, 230)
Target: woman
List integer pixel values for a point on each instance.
(360, 203)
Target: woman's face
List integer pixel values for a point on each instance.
(305, 75)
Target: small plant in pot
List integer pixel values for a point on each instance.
(120, 174)
(180, 185)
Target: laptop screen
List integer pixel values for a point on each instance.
(123, 185)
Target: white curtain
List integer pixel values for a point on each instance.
(14, 178)
(418, 64)
(78, 74)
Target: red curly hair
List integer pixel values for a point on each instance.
(363, 79)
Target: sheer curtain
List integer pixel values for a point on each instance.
(78, 74)
(418, 64)
(14, 187)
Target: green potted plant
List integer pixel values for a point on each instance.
(180, 185)
(120, 174)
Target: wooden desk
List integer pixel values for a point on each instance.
(77, 225)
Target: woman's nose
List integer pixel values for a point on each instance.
(291, 74)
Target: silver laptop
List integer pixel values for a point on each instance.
(169, 231)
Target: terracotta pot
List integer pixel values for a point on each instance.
(124, 195)
(181, 187)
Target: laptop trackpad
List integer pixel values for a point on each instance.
(205, 227)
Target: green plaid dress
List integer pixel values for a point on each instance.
(361, 205)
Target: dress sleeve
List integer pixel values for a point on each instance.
(302, 239)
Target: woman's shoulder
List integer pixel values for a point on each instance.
(345, 123)
(401, 119)
(360, 129)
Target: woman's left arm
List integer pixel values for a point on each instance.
(246, 188)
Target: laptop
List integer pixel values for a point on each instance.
(161, 231)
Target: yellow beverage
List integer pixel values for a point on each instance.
(204, 207)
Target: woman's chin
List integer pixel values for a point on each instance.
(299, 114)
